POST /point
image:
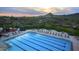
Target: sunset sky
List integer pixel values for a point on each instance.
(35, 11)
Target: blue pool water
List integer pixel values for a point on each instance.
(32, 41)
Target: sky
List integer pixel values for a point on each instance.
(36, 11)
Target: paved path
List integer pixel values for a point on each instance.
(75, 42)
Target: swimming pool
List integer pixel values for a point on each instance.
(32, 41)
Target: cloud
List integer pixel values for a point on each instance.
(19, 10)
(15, 14)
(33, 11)
(67, 10)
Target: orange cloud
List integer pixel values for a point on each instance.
(16, 14)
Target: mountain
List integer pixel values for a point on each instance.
(66, 23)
(49, 15)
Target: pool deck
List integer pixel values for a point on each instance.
(75, 42)
(73, 39)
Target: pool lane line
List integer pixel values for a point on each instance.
(43, 43)
(38, 45)
(34, 44)
(28, 45)
(49, 37)
(47, 44)
(50, 41)
(19, 46)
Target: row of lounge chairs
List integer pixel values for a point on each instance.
(7, 33)
(52, 32)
